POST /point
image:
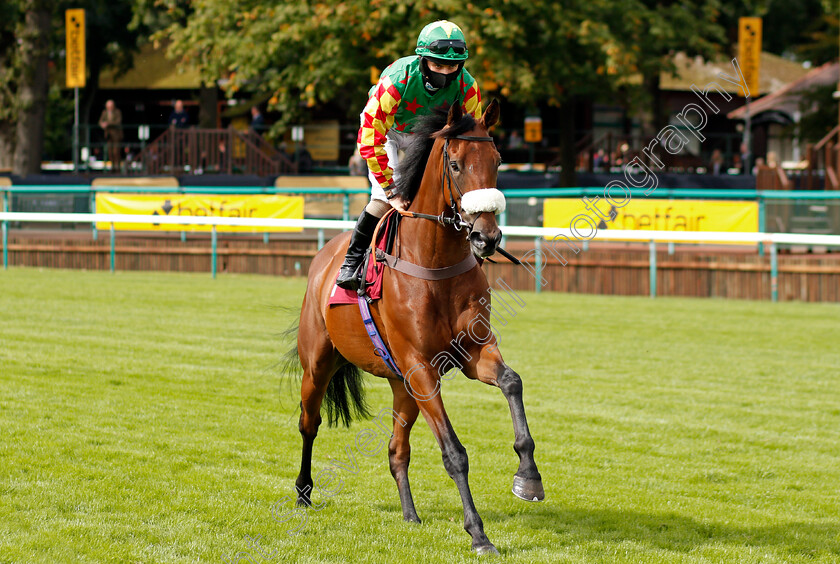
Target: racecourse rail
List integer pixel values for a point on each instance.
(772, 240)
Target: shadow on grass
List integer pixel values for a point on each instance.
(670, 531)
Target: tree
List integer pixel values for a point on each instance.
(32, 34)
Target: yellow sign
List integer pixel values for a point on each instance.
(749, 52)
(75, 32)
(533, 129)
(647, 214)
(281, 207)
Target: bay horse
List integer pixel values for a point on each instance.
(418, 318)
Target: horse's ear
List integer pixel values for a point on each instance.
(490, 115)
(455, 113)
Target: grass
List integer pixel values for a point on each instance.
(144, 419)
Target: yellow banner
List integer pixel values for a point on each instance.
(75, 47)
(652, 215)
(749, 52)
(280, 207)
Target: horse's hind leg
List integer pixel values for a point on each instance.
(317, 358)
(399, 449)
(491, 369)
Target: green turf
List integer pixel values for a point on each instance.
(143, 419)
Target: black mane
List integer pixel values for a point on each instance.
(424, 132)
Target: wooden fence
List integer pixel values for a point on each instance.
(603, 269)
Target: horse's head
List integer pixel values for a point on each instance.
(471, 164)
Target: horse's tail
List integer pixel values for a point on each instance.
(345, 396)
(290, 361)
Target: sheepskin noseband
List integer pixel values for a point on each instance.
(483, 200)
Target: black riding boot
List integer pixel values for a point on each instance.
(348, 275)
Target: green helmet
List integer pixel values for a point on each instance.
(442, 41)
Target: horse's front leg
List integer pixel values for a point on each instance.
(491, 369)
(424, 386)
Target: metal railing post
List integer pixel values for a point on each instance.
(762, 222)
(345, 212)
(95, 232)
(320, 239)
(774, 273)
(5, 232)
(538, 267)
(502, 223)
(652, 245)
(113, 248)
(213, 256)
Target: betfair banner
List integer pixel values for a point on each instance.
(263, 206)
(664, 215)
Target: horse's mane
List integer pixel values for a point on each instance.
(425, 130)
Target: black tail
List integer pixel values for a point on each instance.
(345, 397)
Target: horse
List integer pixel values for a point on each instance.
(418, 318)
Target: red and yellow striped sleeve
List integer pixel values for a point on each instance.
(472, 100)
(378, 118)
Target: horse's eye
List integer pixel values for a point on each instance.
(454, 166)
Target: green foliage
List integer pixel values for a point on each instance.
(304, 54)
(58, 127)
(819, 112)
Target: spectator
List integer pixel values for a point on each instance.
(515, 140)
(759, 164)
(600, 160)
(745, 159)
(716, 162)
(179, 118)
(303, 159)
(111, 123)
(257, 120)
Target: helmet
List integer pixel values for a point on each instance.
(442, 41)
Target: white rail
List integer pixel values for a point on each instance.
(538, 233)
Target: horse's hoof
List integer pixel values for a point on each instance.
(302, 502)
(486, 549)
(412, 519)
(527, 489)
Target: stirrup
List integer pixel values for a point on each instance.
(351, 283)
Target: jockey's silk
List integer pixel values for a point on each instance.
(397, 99)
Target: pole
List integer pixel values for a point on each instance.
(774, 273)
(5, 232)
(76, 130)
(213, 257)
(747, 137)
(538, 264)
(94, 231)
(652, 245)
(320, 239)
(345, 211)
(762, 222)
(113, 249)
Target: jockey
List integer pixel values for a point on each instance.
(409, 87)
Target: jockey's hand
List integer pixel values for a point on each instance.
(399, 203)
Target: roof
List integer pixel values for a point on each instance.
(786, 99)
(151, 71)
(775, 73)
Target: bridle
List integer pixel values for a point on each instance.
(447, 181)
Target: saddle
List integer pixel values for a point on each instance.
(384, 239)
